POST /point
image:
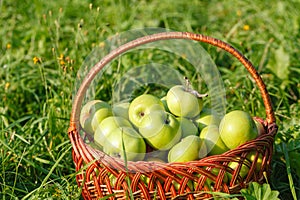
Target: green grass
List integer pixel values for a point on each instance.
(36, 95)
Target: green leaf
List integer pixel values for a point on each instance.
(279, 65)
(255, 191)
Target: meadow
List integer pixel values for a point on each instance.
(43, 44)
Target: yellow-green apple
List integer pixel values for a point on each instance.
(251, 157)
(134, 144)
(121, 110)
(95, 173)
(112, 179)
(188, 149)
(95, 145)
(209, 182)
(92, 113)
(145, 179)
(187, 127)
(164, 101)
(243, 170)
(154, 159)
(236, 128)
(181, 102)
(214, 144)
(260, 128)
(177, 185)
(157, 155)
(205, 118)
(107, 125)
(141, 107)
(160, 129)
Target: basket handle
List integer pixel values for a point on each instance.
(74, 120)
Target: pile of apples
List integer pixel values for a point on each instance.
(175, 128)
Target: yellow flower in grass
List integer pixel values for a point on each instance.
(36, 60)
(7, 85)
(61, 57)
(62, 62)
(8, 46)
(246, 27)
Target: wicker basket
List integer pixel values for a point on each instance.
(94, 166)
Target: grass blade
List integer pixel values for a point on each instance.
(49, 174)
(126, 168)
(288, 170)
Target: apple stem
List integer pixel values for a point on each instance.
(187, 83)
(190, 90)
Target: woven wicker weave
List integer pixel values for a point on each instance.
(95, 167)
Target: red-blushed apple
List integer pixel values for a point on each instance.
(108, 125)
(92, 113)
(187, 127)
(134, 144)
(214, 144)
(121, 110)
(160, 129)
(141, 106)
(236, 128)
(188, 149)
(183, 103)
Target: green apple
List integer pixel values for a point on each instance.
(164, 101)
(205, 118)
(145, 179)
(121, 110)
(187, 127)
(251, 157)
(96, 173)
(188, 149)
(141, 106)
(177, 185)
(108, 125)
(113, 180)
(160, 129)
(92, 113)
(95, 145)
(243, 170)
(209, 182)
(183, 103)
(214, 144)
(157, 155)
(134, 144)
(260, 128)
(236, 128)
(153, 159)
